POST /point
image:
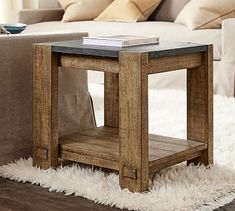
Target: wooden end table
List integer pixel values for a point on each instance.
(123, 143)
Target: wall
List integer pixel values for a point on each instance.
(9, 8)
(30, 4)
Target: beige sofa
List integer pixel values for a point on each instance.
(16, 95)
(160, 24)
(16, 63)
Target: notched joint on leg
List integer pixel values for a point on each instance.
(129, 172)
(42, 153)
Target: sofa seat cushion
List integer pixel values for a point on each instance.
(165, 30)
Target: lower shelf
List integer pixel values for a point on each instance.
(100, 147)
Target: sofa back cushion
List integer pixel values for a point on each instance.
(206, 14)
(48, 4)
(168, 10)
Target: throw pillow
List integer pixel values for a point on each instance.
(168, 10)
(79, 10)
(204, 14)
(129, 10)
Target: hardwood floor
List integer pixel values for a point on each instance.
(228, 207)
(26, 197)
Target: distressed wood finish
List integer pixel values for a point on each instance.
(172, 63)
(123, 144)
(45, 107)
(90, 63)
(133, 85)
(111, 100)
(100, 146)
(15, 196)
(200, 106)
(90, 160)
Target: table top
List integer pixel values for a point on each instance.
(165, 48)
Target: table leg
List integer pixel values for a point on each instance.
(133, 85)
(200, 106)
(45, 107)
(111, 100)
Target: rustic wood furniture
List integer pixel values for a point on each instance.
(123, 143)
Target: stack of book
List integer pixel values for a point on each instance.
(121, 40)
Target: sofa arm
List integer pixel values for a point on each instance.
(228, 39)
(226, 71)
(75, 110)
(40, 15)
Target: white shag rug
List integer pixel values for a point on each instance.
(178, 188)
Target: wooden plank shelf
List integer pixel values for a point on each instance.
(100, 147)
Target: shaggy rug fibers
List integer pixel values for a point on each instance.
(177, 188)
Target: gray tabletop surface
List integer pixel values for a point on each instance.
(164, 48)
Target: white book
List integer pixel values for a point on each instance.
(120, 40)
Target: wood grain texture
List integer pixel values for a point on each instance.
(100, 147)
(90, 160)
(27, 197)
(133, 95)
(111, 100)
(89, 63)
(41, 153)
(125, 144)
(200, 105)
(171, 63)
(129, 173)
(45, 106)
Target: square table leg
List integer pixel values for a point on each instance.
(111, 99)
(45, 107)
(200, 106)
(133, 95)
